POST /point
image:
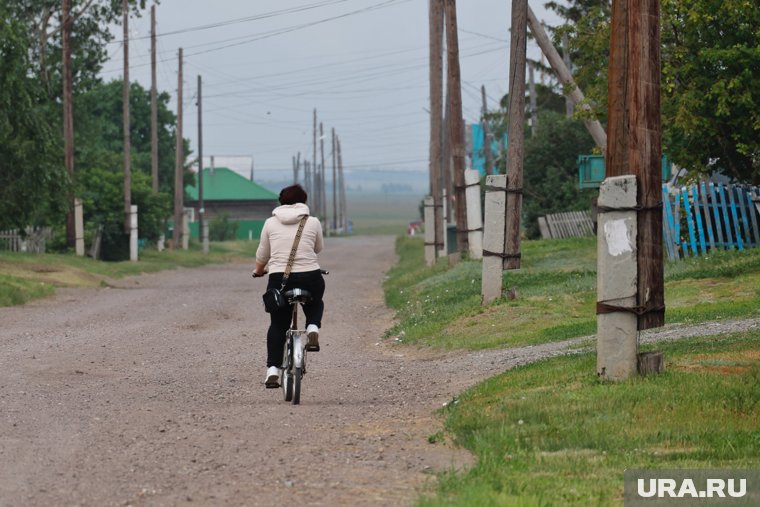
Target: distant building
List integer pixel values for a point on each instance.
(225, 191)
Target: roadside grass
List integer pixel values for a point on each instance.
(552, 433)
(556, 295)
(24, 277)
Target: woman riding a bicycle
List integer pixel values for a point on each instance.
(272, 255)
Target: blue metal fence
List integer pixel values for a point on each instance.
(704, 216)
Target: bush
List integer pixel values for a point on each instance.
(222, 228)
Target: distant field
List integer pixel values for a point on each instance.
(377, 213)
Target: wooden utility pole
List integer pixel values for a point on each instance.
(533, 107)
(334, 181)
(153, 102)
(566, 78)
(634, 142)
(201, 207)
(487, 152)
(68, 116)
(516, 132)
(566, 61)
(342, 223)
(314, 167)
(322, 203)
(435, 172)
(296, 167)
(457, 123)
(125, 114)
(179, 165)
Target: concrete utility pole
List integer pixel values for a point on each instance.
(203, 230)
(334, 181)
(179, 166)
(68, 117)
(296, 167)
(516, 132)
(634, 142)
(456, 131)
(153, 102)
(125, 114)
(487, 138)
(566, 78)
(533, 98)
(435, 172)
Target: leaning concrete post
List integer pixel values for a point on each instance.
(474, 219)
(78, 227)
(133, 233)
(493, 237)
(204, 234)
(616, 322)
(429, 231)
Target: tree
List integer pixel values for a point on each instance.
(551, 172)
(710, 79)
(33, 181)
(711, 85)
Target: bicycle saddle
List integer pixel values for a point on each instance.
(299, 295)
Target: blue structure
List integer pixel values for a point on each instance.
(478, 154)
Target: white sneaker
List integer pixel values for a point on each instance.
(273, 377)
(312, 333)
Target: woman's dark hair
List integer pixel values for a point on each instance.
(292, 195)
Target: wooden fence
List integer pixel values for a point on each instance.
(571, 224)
(704, 216)
(33, 242)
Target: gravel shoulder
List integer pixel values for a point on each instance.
(151, 393)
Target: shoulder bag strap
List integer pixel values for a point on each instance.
(292, 257)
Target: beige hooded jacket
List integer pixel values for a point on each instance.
(277, 240)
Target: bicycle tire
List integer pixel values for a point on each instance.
(297, 375)
(287, 385)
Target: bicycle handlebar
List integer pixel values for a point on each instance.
(256, 275)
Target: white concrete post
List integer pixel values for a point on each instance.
(161, 245)
(78, 227)
(204, 234)
(185, 231)
(133, 233)
(429, 211)
(474, 216)
(493, 237)
(617, 273)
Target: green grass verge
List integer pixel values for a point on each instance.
(551, 433)
(24, 277)
(556, 295)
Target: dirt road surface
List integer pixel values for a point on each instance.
(151, 393)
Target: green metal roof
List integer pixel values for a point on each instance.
(223, 184)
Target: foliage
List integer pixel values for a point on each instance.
(710, 78)
(221, 228)
(550, 181)
(33, 184)
(711, 85)
(102, 194)
(552, 433)
(100, 138)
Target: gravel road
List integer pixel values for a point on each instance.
(151, 393)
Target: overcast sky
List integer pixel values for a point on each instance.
(363, 64)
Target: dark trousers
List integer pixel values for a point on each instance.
(311, 281)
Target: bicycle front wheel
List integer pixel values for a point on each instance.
(296, 383)
(287, 385)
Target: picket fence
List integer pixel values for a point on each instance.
(570, 224)
(33, 242)
(704, 216)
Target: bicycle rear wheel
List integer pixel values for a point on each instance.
(296, 383)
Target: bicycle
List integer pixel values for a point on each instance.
(294, 355)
